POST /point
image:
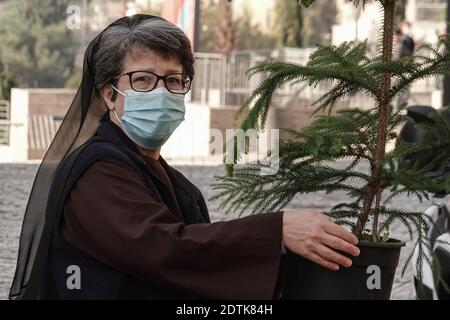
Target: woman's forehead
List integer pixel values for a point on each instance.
(150, 60)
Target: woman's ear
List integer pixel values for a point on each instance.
(107, 93)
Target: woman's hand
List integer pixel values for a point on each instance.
(313, 236)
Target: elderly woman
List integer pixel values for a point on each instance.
(119, 221)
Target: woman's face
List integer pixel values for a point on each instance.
(140, 60)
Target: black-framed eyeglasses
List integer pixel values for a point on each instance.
(145, 81)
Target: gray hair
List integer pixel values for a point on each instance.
(156, 34)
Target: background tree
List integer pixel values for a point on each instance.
(400, 12)
(250, 36)
(318, 22)
(208, 25)
(225, 31)
(36, 47)
(5, 85)
(289, 23)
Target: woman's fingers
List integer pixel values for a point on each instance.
(341, 232)
(332, 256)
(341, 245)
(322, 262)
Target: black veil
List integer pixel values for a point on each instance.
(79, 124)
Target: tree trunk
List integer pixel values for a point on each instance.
(225, 30)
(383, 101)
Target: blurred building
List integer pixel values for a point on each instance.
(185, 14)
(427, 18)
(354, 23)
(262, 12)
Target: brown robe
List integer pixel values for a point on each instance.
(113, 217)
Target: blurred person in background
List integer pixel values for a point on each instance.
(404, 46)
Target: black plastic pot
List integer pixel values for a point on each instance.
(369, 278)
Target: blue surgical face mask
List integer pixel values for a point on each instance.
(149, 118)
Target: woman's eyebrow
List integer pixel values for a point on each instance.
(153, 70)
(173, 71)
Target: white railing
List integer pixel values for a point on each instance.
(221, 79)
